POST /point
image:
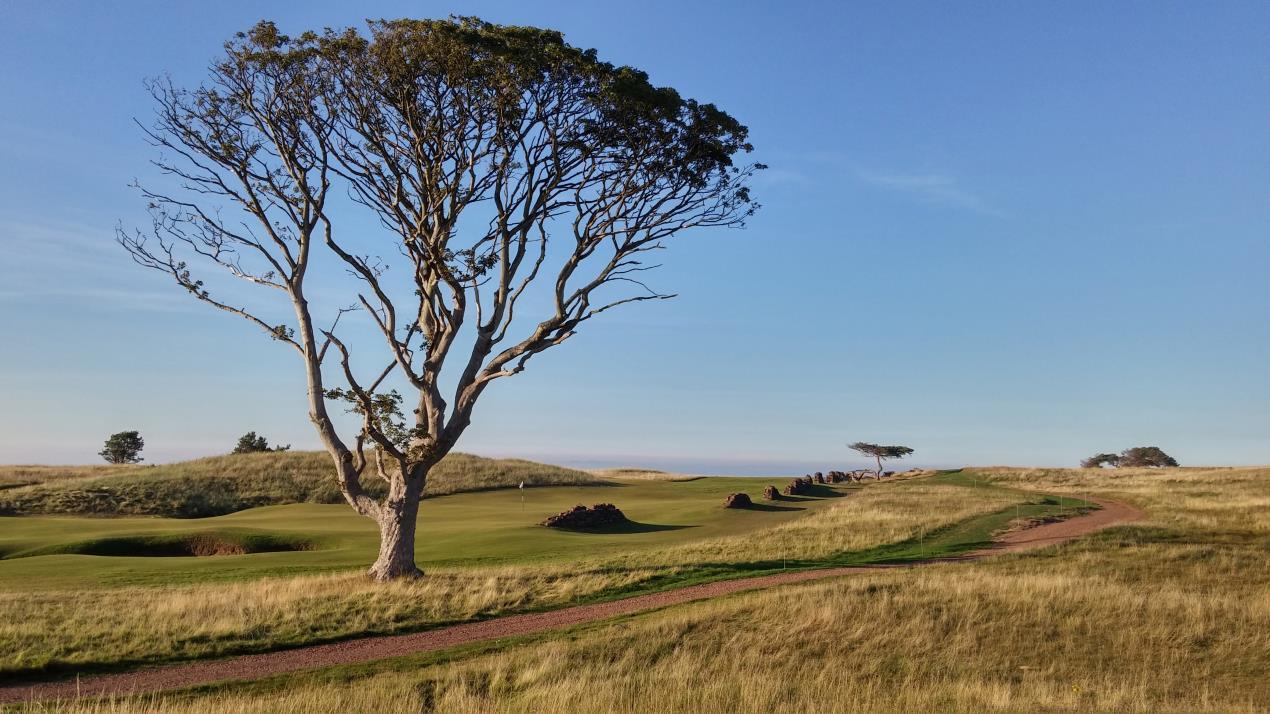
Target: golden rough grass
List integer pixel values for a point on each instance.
(1170, 616)
(887, 512)
(23, 475)
(138, 624)
(642, 475)
(1234, 498)
(223, 484)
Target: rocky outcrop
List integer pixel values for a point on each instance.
(798, 486)
(770, 493)
(583, 518)
(737, 500)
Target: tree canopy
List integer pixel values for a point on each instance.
(250, 443)
(123, 448)
(520, 186)
(1100, 460)
(880, 452)
(1135, 457)
(1148, 456)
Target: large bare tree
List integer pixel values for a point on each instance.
(499, 163)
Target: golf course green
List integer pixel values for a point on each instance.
(468, 529)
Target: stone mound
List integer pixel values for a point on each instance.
(583, 518)
(737, 500)
(798, 486)
(770, 493)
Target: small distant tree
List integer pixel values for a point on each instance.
(1149, 456)
(1098, 461)
(123, 448)
(250, 443)
(880, 452)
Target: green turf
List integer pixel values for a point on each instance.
(471, 529)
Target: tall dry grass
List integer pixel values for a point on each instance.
(223, 484)
(1169, 616)
(135, 624)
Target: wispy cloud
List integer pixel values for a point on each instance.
(70, 262)
(932, 187)
(129, 299)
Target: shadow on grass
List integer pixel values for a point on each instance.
(628, 527)
(815, 492)
(769, 507)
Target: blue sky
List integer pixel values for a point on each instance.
(997, 232)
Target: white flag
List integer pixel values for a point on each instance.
(522, 484)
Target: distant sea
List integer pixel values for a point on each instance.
(720, 466)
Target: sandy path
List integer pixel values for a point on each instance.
(367, 649)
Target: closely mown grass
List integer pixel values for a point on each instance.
(53, 630)
(1171, 616)
(225, 484)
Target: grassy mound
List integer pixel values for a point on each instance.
(225, 484)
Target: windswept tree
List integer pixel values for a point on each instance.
(123, 448)
(880, 452)
(518, 185)
(1098, 461)
(251, 443)
(1136, 457)
(1146, 456)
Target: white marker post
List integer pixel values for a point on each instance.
(522, 496)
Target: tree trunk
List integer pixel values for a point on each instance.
(397, 540)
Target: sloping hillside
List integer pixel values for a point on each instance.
(224, 484)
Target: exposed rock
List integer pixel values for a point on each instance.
(770, 493)
(820, 478)
(798, 486)
(583, 518)
(737, 500)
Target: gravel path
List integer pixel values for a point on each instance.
(367, 649)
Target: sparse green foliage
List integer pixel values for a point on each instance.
(1099, 460)
(880, 452)
(250, 443)
(123, 448)
(382, 413)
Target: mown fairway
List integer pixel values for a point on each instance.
(470, 529)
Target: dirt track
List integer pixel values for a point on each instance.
(373, 648)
